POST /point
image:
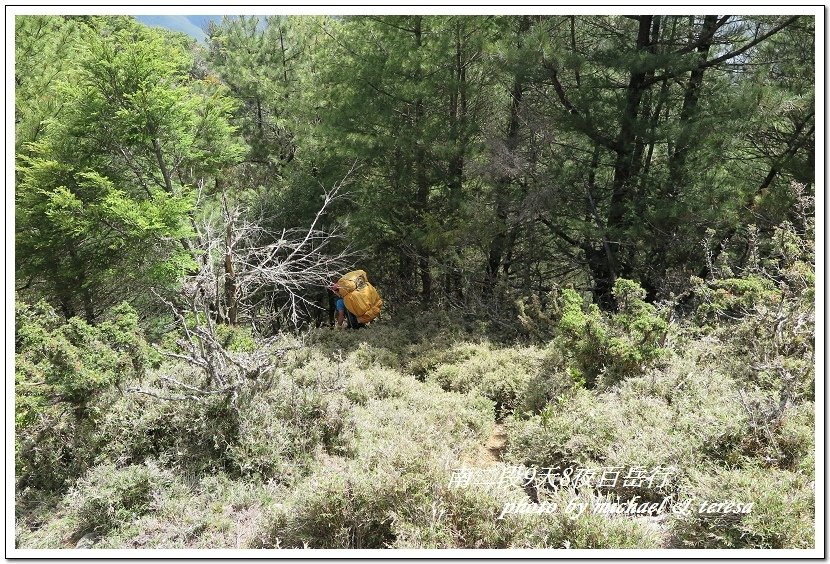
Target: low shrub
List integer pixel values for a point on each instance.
(781, 515)
(235, 338)
(108, 497)
(765, 317)
(277, 439)
(183, 434)
(501, 375)
(367, 355)
(733, 298)
(64, 371)
(665, 421)
(374, 383)
(410, 504)
(795, 439)
(552, 381)
(637, 333)
(210, 512)
(600, 349)
(334, 509)
(403, 444)
(270, 433)
(590, 529)
(573, 430)
(71, 361)
(705, 413)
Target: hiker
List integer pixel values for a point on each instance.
(343, 317)
(358, 303)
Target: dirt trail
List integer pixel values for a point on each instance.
(489, 453)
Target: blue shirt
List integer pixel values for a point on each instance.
(340, 305)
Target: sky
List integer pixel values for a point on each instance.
(194, 26)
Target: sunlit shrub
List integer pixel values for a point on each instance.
(552, 380)
(403, 442)
(71, 361)
(108, 497)
(795, 439)
(732, 298)
(235, 338)
(589, 529)
(572, 430)
(600, 348)
(677, 417)
(501, 375)
(781, 516)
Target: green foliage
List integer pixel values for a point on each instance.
(573, 429)
(497, 158)
(541, 321)
(766, 318)
(43, 57)
(637, 331)
(72, 361)
(732, 298)
(235, 338)
(599, 348)
(266, 62)
(795, 438)
(280, 431)
(104, 195)
(782, 513)
(584, 337)
(404, 433)
(590, 530)
(501, 375)
(63, 373)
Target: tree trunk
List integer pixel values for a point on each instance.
(499, 244)
(421, 181)
(458, 123)
(168, 183)
(231, 288)
(688, 112)
(624, 168)
(83, 288)
(625, 144)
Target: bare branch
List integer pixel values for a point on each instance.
(247, 265)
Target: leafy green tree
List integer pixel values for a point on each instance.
(266, 63)
(637, 109)
(42, 58)
(104, 198)
(406, 96)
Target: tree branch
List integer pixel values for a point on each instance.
(563, 98)
(726, 56)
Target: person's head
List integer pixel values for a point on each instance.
(335, 288)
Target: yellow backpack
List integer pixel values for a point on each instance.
(360, 297)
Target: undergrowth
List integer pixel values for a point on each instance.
(351, 438)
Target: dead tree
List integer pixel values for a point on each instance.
(241, 263)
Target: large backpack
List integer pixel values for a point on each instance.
(359, 296)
